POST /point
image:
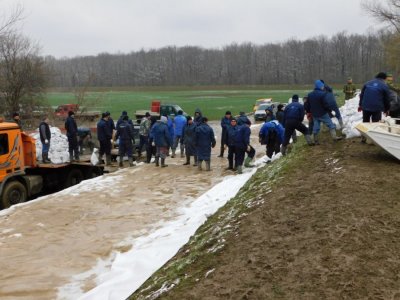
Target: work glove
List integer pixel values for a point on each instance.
(46, 141)
(359, 109)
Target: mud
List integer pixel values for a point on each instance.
(45, 243)
(329, 229)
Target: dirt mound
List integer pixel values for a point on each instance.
(323, 223)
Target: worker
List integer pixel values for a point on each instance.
(242, 144)
(85, 138)
(72, 134)
(293, 117)
(144, 131)
(198, 117)
(151, 149)
(162, 140)
(394, 111)
(271, 135)
(230, 141)
(332, 104)
(225, 124)
(242, 118)
(126, 137)
(374, 99)
(189, 141)
(179, 122)
(349, 89)
(205, 140)
(110, 123)
(17, 119)
(319, 108)
(45, 137)
(104, 135)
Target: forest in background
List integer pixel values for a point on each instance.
(291, 62)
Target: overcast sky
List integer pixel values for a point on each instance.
(88, 27)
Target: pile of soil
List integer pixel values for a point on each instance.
(329, 228)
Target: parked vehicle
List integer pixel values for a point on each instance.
(158, 110)
(261, 101)
(261, 115)
(61, 112)
(22, 176)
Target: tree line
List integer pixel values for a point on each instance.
(290, 62)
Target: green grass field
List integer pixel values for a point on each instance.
(213, 101)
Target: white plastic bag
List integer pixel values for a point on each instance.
(94, 160)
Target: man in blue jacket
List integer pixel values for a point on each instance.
(242, 144)
(162, 140)
(375, 98)
(126, 137)
(225, 124)
(319, 108)
(188, 138)
(104, 135)
(293, 117)
(72, 135)
(230, 141)
(179, 125)
(271, 134)
(205, 140)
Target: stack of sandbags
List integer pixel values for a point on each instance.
(351, 117)
(58, 152)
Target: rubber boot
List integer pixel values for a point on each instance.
(173, 153)
(44, 158)
(77, 157)
(108, 159)
(334, 136)
(71, 157)
(163, 165)
(230, 167)
(247, 162)
(157, 161)
(221, 153)
(341, 124)
(199, 165)
(208, 165)
(121, 163)
(182, 152)
(239, 169)
(130, 159)
(195, 161)
(187, 160)
(308, 140)
(47, 158)
(283, 150)
(316, 139)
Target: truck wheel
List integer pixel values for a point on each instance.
(74, 177)
(92, 173)
(14, 193)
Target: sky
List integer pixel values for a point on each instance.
(89, 27)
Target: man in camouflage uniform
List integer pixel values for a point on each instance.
(349, 89)
(394, 111)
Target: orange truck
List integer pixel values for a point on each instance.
(22, 176)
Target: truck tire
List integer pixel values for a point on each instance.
(92, 173)
(74, 176)
(13, 193)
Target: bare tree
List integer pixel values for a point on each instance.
(388, 12)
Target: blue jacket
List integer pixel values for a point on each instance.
(71, 127)
(103, 131)
(205, 139)
(111, 124)
(180, 123)
(170, 125)
(231, 135)
(318, 103)
(225, 124)
(189, 134)
(125, 132)
(293, 111)
(242, 139)
(242, 119)
(266, 129)
(375, 96)
(120, 121)
(161, 135)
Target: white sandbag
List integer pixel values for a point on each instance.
(94, 160)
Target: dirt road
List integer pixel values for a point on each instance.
(45, 243)
(329, 228)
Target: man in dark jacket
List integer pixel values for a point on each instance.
(293, 117)
(242, 144)
(189, 135)
(126, 137)
(72, 134)
(110, 123)
(162, 140)
(205, 140)
(225, 124)
(375, 98)
(104, 135)
(45, 136)
(230, 142)
(242, 119)
(120, 120)
(198, 117)
(271, 134)
(319, 108)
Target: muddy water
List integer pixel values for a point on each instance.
(45, 243)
